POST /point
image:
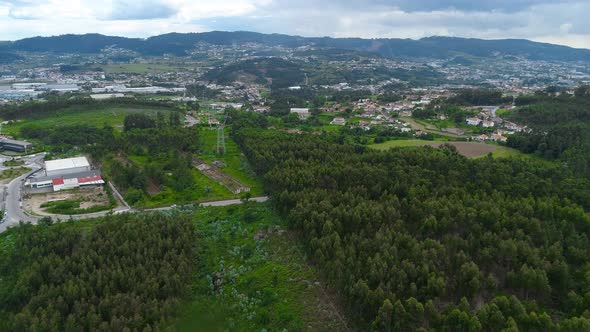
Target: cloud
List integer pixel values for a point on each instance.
(140, 10)
(562, 22)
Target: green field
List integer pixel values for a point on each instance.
(80, 115)
(467, 148)
(400, 143)
(237, 165)
(13, 173)
(267, 283)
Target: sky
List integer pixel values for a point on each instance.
(555, 21)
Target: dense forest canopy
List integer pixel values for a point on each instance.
(128, 273)
(427, 239)
(560, 129)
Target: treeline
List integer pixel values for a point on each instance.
(425, 239)
(53, 105)
(560, 129)
(126, 273)
(479, 97)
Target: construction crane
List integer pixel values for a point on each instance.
(221, 137)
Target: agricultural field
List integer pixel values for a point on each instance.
(80, 115)
(468, 149)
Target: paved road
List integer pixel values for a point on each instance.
(12, 200)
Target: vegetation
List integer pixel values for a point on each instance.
(215, 269)
(13, 163)
(253, 276)
(72, 206)
(560, 130)
(428, 239)
(13, 173)
(127, 272)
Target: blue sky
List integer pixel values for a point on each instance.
(560, 22)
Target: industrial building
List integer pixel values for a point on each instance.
(16, 146)
(64, 174)
(67, 166)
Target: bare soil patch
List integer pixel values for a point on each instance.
(470, 149)
(90, 197)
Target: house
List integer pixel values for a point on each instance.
(488, 124)
(338, 121)
(481, 138)
(498, 138)
(213, 122)
(473, 121)
(302, 113)
(513, 127)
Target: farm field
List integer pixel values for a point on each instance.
(468, 149)
(80, 115)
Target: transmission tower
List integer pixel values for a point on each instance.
(221, 137)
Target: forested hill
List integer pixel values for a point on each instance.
(180, 43)
(560, 128)
(425, 239)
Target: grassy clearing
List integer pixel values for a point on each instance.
(237, 165)
(13, 163)
(72, 207)
(253, 276)
(400, 143)
(81, 115)
(13, 173)
(470, 149)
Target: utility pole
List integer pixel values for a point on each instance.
(221, 137)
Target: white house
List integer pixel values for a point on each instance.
(473, 121)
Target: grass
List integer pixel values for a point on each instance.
(13, 173)
(237, 165)
(81, 115)
(13, 163)
(72, 207)
(262, 280)
(203, 190)
(400, 143)
(501, 152)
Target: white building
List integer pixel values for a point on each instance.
(338, 121)
(67, 166)
(473, 121)
(303, 113)
(488, 124)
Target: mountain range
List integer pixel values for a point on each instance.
(180, 43)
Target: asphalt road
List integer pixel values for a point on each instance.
(13, 212)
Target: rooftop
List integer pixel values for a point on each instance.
(53, 165)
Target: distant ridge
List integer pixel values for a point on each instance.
(180, 43)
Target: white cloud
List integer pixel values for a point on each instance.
(542, 20)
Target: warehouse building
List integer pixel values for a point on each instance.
(16, 146)
(66, 182)
(64, 174)
(55, 168)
